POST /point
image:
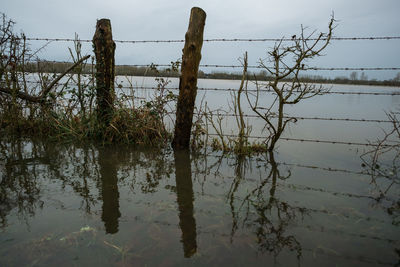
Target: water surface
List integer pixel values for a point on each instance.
(110, 206)
(308, 204)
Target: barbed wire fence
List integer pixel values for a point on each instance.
(370, 38)
(240, 67)
(227, 114)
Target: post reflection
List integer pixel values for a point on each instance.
(185, 198)
(109, 190)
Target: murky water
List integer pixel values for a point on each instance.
(309, 204)
(86, 205)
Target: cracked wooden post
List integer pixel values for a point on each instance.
(104, 49)
(188, 81)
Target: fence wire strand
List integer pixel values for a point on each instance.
(225, 114)
(120, 86)
(239, 66)
(304, 118)
(263, 90)
(262, 67)
(371, 38)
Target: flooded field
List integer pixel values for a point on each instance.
(308, 204)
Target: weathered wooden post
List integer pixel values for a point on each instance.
(188, 81)
(104, 49)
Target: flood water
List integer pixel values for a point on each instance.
(308, 204)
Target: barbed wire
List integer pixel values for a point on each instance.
(288, 117)
(306, 140)
(333, 213)
(226, 114)
(313, 167)
(334, 193)
(237, 66)
(262, 67)
(332, 142)
(261, 90)
(371, 38)
(328, 92)
(299, 118)
(223, 114)
(120, 86)
(329, 169)
(353, 69)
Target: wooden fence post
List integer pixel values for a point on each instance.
(104, 49)
(188, 81)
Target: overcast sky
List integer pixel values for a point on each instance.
(161, 19)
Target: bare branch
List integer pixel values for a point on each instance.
(288, 62)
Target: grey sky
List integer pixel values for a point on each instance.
(160, 19)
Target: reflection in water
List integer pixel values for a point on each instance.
(109, 189)
(184, 191)
(42, 184)
(18, 181)
(240, 171)
(382, 163)
(266, 213)
(270, 233)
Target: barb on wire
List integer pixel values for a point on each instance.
(371, 38)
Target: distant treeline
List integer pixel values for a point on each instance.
(127, 70)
